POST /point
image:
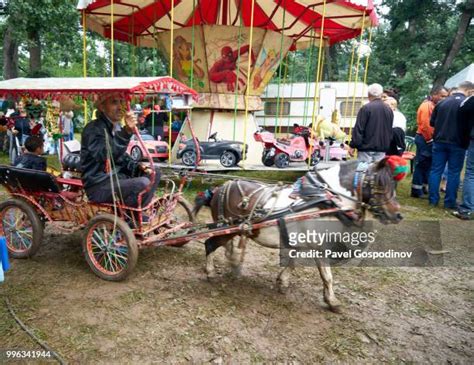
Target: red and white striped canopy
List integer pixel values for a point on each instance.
(138, 21)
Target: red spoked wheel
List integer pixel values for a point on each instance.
(22, 228)
(110, 247)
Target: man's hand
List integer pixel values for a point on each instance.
(146, 169)
(130, 122)
(351, 151)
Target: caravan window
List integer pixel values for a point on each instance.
(277, 108)
(345, 108)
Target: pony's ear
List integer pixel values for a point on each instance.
(382, 163)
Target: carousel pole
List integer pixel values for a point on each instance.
(356, 78)
(366, 70)
(351, 66)
(170, 115)
(316, 86)
(247, 90)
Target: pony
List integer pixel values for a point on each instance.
(355, 187)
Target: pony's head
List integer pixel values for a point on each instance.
(378, 190)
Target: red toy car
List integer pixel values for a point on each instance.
(281, 151)
(158, 149)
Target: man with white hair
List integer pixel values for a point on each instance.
(372, 132)
(399, 120)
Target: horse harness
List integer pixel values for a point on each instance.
(252, 204)
(365, 185)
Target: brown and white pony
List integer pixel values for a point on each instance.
(372, 190)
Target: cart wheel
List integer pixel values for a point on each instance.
(183, 211)
(22, 228)
(228, 159)
(282, 160)
(189, 158)
(136, 154)
(110, 247)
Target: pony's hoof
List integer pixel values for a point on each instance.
(334, 305)
(282, 289)
(237, 272)
(211, 277)
(335, 308)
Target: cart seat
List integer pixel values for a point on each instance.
(72, 162)
(70, 195)
(14, 178)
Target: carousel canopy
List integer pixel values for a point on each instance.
(127, 86)
(138, 21)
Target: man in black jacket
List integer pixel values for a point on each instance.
(372, 132)
(106, 167)
(466, 118)
(447, 146)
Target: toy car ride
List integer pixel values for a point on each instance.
(230, 153)
(281, 151)
(158, 150)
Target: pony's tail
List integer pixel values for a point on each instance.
(203, 198)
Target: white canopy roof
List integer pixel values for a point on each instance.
(466, 74)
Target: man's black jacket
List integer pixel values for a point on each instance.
(445, 120)
(95, 149)
(466, 121)
(398, 145)
(373, 128)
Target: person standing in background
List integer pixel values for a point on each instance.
(372, 133)
(399, 120)
(424, 142)
(447, 146)
(466, 119)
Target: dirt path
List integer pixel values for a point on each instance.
(168, 312)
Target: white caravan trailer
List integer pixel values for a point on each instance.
(295, 104)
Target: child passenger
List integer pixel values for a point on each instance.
(32, 158)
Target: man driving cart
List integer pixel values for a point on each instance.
(107, 169)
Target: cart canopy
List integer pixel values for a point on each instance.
(128, 87)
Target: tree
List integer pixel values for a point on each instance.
(410, 45)
(467, 10)
(36, 25)
(10, 55)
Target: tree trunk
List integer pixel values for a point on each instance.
(34, 47)
(10, 56)
(464, 22)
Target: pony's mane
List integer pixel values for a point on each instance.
(384, 177)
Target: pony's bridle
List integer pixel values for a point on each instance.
(365, 185)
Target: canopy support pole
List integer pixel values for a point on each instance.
(84, 59)
(111, 38)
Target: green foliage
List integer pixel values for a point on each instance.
(409, 48)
